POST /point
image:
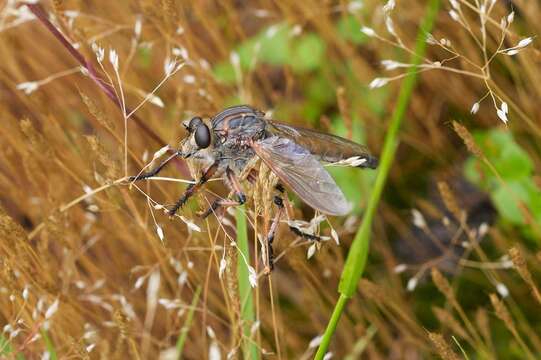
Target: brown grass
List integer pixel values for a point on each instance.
(98, 255)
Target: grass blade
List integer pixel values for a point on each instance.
(358, 252)
(49, 345)
(6, 350)
(188, 324)
(247, 313)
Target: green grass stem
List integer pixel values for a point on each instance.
(188, 324)
(358, 253)
(49, 345)
(247, 313)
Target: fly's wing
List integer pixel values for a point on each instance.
(325, 147)
(303, 173)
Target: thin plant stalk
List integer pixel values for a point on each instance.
(247, 313)
(49, 345)
(188, 324)
(358, 253)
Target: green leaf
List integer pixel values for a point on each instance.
(247, 54)
(526, 192)
(224, 72)
(514, 163)
(275, 44)
(308, 53)
(509, 159)
(504, 199)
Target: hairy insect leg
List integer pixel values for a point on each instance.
(154, 171)
(272, 232)
(233, 184)
(217, 204)
(304, 235)
(193, 188)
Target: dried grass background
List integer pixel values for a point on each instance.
(95, 280)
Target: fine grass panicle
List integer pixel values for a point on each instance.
(438, 257)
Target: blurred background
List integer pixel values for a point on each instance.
(93, 268)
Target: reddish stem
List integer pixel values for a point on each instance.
(42, 16)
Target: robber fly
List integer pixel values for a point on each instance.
(231, 142)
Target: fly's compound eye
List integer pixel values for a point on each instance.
(202, 136)
(194, 123)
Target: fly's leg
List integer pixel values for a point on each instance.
(155, 171)
(193, 188)
(304, 235)
(217, 204)
(233, 184)
(293, 229)
(272, 232)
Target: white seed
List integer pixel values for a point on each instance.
(502, 115)
(389, 6)
(311, 251)
(28, 87)
(510, 17)
(455, 4)
(502, 290)
(454, 15)
(189, 79)
(368, 31)
(223, 264)
(234, 58)
(378, 82)
(504, 107)
(139, 282)
(138, 26)
(214, 351)
(483, 229)
(412, 284)
(154, 99)
(512, 52)
(113, 58)
(315, 342)
(524, 42)
(159, 231)
(252, 277)
(418, 219)
(334, 235)
(52, 309)
(475, 108)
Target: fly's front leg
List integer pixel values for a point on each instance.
(193, 188)
(155, 171)
(233, 184)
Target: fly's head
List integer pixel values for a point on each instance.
(197, 147)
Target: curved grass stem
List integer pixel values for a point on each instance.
(247, 312)
(358, 253)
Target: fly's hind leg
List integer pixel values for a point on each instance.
(272, 232)
(294, 229)
(304, 235)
